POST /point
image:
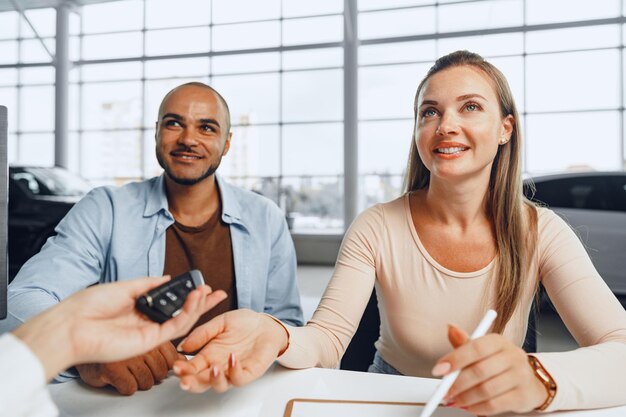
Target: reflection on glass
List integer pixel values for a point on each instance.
(228, 11)
(389, 91)
(254, 152)
(36, 109)
(313, 204)
(312, 95)
(246, 36)
(313, 149)
(573, 81)
(313, 30)
(568, 141)
(111, 105)
(379, 189)
(112, 16)
(265, 186)
(165, 14)
(177, 41)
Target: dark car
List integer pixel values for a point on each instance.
(38, 199)
(594, 204)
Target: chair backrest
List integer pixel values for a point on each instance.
(360, 352)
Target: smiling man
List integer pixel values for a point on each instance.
(187, 218)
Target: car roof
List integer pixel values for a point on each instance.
(578, 174)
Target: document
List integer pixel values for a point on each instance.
(300, 407)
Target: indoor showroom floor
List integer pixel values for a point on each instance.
(552, 335)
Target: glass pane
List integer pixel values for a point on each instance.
(313, 58)
(111, 154)
(111, 105)
(246, 36)
(12, 149)
(242, 63)
(8, 98)
(8, 25)
(489, 45)
(313, 149)
(36, 149)
(573, 38)
(385, 4)
(557, 142)
(292, 8)
(251, 98)
(113, 16)
(389, 92)
(74, 107)
(33, 51)
(314, 204)
(481, 15)
(254, 152)
(37, 75)
(573, 81)
(116, 71)
(176, 68)
(227, 11)
(8, 76)
(36, 109)
(313, 30)
(151, 165)
(119, 45)
(313, 95)
(75, 48)
(395, 53)
(379, 189)
(161, 13)
(397, 23)
(9, 52)
(265, 186)
(513, 70)
(177, 41)
(384, 147)
(155, 92)
(548, 11)
(74, 24)
(44, 21)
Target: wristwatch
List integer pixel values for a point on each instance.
(545, 378)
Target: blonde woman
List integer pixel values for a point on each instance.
(461, 240)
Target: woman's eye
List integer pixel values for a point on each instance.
(429, 113)
(471, 107)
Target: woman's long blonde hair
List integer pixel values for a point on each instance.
(513, 217)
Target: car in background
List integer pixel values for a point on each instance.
(39, 197)
(594, 205)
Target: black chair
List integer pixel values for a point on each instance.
(360, 352)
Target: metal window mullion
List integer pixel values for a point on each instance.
(350, 112)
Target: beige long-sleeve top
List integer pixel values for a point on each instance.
(418, 297)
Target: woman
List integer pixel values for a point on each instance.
(461, 240)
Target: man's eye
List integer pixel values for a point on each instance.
(171, 123)
(207, 128)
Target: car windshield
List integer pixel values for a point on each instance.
(51, 182)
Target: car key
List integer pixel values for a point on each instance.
(166, 301)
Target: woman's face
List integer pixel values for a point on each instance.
(459, 124)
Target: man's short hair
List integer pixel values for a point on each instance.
(201, 85)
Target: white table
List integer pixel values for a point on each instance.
(264, 397)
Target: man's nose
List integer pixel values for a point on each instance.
(187, 137)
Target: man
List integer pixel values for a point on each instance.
(188, 218)
(99, 323)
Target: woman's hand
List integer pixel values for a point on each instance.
(237, 347)
(495, 375)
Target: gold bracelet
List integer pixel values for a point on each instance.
(545, 378)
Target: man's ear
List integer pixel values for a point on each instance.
(227, 144)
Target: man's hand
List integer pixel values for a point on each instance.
(239, 346)
(138, 373)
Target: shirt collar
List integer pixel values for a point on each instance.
(157, 201)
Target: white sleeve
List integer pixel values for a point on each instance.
(23, 382)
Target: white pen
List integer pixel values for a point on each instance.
(449, 379)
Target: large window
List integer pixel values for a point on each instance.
(279, 64)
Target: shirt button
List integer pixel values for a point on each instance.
(160, 227)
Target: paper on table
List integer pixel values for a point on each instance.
(316, 408)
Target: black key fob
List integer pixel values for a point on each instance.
(166, 301)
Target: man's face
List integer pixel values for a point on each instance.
(191, 134)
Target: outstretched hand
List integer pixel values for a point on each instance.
(235, 349)
(495, 375)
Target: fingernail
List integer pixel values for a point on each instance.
(184, 386)
(176, 369)
(216, 372)
(233, 361)
(449, 404)
(441, 368)
(179, 347)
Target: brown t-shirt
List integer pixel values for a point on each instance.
(207, 248)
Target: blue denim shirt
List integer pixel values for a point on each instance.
(118, 233)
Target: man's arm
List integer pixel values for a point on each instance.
(282, 296)
(68, 262)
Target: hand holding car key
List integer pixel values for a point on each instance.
(166, 301)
